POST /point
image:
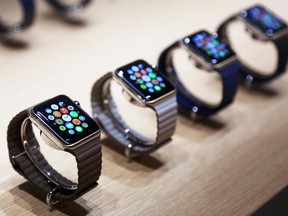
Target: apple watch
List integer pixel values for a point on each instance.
(263, 25)
(144, 86)
(28, 7)
(209, 54)
(65, 9)
(64, 126)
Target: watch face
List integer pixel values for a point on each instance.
(65, 119)
(144, 80)
(263, 19)
(209, 47)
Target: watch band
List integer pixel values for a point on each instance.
(249, 74)
(75, 7)
(28, 7)
(88, 159)
(190, 104)
(105, 111)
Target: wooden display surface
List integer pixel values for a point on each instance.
(230, 164)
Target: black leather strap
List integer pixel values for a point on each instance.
(249, 74)
(105, 111)
(88, 159)
(28, 7)
(190, 104)
(62, 8)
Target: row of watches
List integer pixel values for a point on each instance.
(28, 7)
(64, 125)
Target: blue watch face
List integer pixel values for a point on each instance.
(144, 80)
(263, 19)
(65, 119)
(209, 47)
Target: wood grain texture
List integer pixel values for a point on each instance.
(229, 164)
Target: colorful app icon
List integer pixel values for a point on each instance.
(79, 129)
(72, 132)
(135, 68)
(69, 125)
(82, 118)
(51, 117)
(130, 71)
(66, 118)
(64, 110)
(54, 107)
(48, 110)
(62, 128)
(76, 122)
(146, 78)
(157, 88)
(143, 72)
(84, 125)
(74, 114)
(149, 85)
(132, 77)
(61, 104)
(59, 121)
(57, 114)
(149, 70)
(70, 108)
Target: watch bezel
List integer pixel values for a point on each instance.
(46, 129)
(258, 31)
(142, 101)
(198, 57)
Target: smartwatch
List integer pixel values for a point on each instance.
(65, 9)
(263, 25)
(64, 126)
(211, 54)
(28, 7)
(144, 86)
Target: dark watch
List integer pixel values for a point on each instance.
(263, 25)
(144, 86)
(211, 54)
(28, 7)
(64, 126)
(66, 9)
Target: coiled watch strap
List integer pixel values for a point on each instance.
(88, 157)
(75, 7)
(249, 74)
(190, 104)
(105, 111)
(28, 7)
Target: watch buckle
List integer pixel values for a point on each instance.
(49, 197)
(13, 162)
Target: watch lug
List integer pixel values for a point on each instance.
(130, 98)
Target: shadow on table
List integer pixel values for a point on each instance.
(36, 202)
(277, 206)
(72, 20)
(14, 43)
(208, 122)
(260, 90)
(147, 161)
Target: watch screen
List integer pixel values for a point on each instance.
(65, 119)
(263, 19)
(145, 80)
(209, 47)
